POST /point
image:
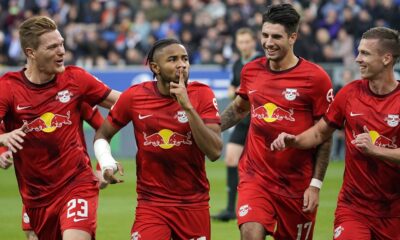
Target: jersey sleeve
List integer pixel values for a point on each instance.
(119, 114)
(322, 95)
(2, 130)
(91, 115)
(5, 101)
(335, 115)
(242, 89)
(94, 91)
(209, 107)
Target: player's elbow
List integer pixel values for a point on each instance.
(216, 152)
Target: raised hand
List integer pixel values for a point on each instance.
(179, 91)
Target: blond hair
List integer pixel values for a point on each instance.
(31, 29)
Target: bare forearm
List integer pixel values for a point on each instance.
(322, 159)
(232, 115)
(387, 154)
(208, 140)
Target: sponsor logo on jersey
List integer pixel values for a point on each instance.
(141, 117)
(64, 96)
(338, 231)
(244, 210)
(392, 120)
(269, 112)
(290, 94)
(378, 139)
(167, 139)
(48, 122)
(181, 116)
(329, 96)
(136, 236)
(79, 219)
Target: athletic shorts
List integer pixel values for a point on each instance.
(74, 210)
(171, 222)
(25, 220)
(240, 131)
(350, 225)
(281, 217)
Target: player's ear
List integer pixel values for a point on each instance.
(29, 52)
(155, 68)
(387, 58)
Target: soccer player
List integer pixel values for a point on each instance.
(279, 191)
(368, 110)
(40, 106)
(92, 116)
(246, 44)
(176, 124)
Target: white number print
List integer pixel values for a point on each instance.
(77, 207)
(300, 227)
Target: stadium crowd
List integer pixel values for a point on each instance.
(102, 33)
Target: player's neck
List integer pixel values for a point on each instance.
(163, 88)
(384, 84)
(288, 62)
(36, 76)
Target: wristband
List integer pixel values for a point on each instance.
(316, 183)
(102, 151)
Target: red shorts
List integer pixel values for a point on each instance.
(25, 220)
(167, 222)
(350, 224)
(74, 210)
(281, 217)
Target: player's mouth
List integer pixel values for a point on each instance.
(60, 62)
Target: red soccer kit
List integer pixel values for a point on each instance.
(370, 186)
(170, 166)
(53, 160)
(92, 116)
(285, 101)
(2, 130)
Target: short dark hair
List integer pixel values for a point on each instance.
(158, 45)
(389, 40)
(283, 14)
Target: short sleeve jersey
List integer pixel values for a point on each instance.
(285, 101)
(170, 166)
(370, 185)
(53, 158)
(2, 130)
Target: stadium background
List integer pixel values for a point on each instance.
(111, 38)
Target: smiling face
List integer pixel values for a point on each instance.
(370, 58)
(169, 61)
(276, 42)
(49, 55)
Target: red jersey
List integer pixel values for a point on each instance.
(170, 166)
(92, 116)
(2, 130)
(370, 186)
(53, 159)
(285, 101)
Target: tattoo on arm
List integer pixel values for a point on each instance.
(232, 115)
(322, 160)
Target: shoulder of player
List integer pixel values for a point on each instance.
(10, 77)
(256, 64)
(316, 71)
(351, 88)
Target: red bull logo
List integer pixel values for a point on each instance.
(269, 112)
(167, 139)
(378, 139)
(48, 122)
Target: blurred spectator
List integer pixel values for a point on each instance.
(94, 28)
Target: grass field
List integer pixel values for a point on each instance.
(117, 205)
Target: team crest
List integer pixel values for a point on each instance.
(392, 120)
(181, 115)
(64, 96)
(244, 210)
(338, 231)
(290, 94)
(136, 236)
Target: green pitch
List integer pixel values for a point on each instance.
(117, 205)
